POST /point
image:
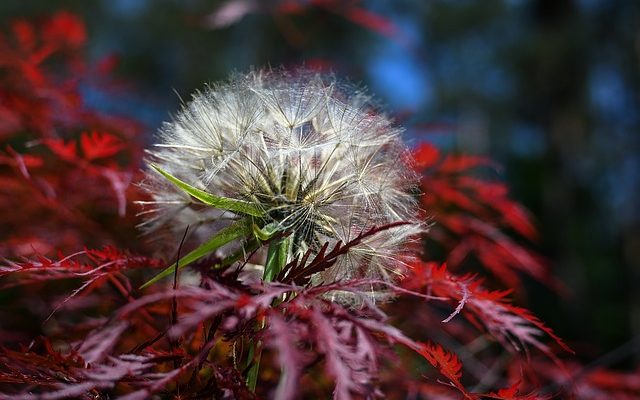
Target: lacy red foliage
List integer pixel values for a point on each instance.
(300, 326)
(473, 218)
(62, 153)
(509, 324)
(31, 98)
(447, 363)
(66, 183)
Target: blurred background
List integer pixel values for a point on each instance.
(547, 88)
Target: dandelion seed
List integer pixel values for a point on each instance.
(312, 155)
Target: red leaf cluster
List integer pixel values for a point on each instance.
(63, 153)
(473, 218)
(509, 324)
(33, 99)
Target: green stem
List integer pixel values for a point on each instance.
(253, 357)
(276, 260)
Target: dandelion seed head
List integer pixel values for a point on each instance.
(313, 154)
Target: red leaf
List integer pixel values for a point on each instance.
(66, 151)
(372, 21)
(23, 162)
(65, 29)
(447, 363)
(108, 64)
(291, 359)
(96, 145)
(518, 219)
(100, 261)
(426, 155)
(507, 323)
(24, 34)
(513, 393)
(461, 163)
(474, 216)
(97, 346)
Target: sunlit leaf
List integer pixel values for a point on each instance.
(224, 203)
(234, 231)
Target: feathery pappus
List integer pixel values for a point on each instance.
(313, 155)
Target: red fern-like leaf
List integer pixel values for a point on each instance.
(513, 393)
(474, 217)
(446, 362)
(509, 324)
(96, 145)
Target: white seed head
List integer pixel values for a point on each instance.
(313, 154)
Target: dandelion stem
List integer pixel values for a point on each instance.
(277, 256)
(253, 357)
